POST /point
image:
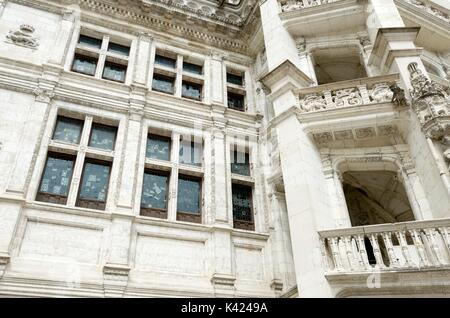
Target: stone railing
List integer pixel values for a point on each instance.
(386, 247)
(290, 5)
(370, 90)
(432, 8)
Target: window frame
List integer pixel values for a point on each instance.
(92, 203)
(244, 224)
(58, 117)
(59, 198)
(161, 138)
(156, 212)
(102, 125)
(189, 216)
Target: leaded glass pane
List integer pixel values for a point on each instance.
(193, 91)
(240, 163)
(235, 79)
(84, 64)
(236, 101)
(89, 41)
(242, 206)
(114, 72)
(103, 137)
(191, 153)
(158, 147)
(165, 61)
(94, 185)
(163, 84)
(68, 130)
(192, 68)
(57, 175)
(118, 49)
(188, 199)
(154, 191)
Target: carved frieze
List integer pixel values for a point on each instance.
(23, 37)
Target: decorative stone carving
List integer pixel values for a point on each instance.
(347, 97)
(398, 95)
(387, 130)
(365, 132)
(432, 106)
(323, 137)
(301, 46)
(343, 135)
(381, 93)
(43, 95)
(24, 37)
(313, 102)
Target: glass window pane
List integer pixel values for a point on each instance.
(154, 192)
(165, 61)
(163, 84)
(235, 79)
(235, 101)
(192, 68)
(158, 147)
(188, 199)
(68, 130)
(240, 163)
(118, 49)
(191, 153)
(114, 72)
(94, 185)
(242, 206)
(103, 137)
(57, 175)
(193, 91)
(89, 41)
(84, 64)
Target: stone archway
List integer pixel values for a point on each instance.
(376, 197)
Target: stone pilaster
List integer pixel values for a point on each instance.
(141, 67)
(62, 42)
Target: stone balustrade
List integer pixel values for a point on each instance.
(413, 245)
(432, 8)
(370, 90)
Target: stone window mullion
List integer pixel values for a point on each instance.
(173, 182)
(102, 57)
(179, 76)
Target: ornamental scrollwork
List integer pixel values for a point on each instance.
(313, 102)
(24, 37)
(381, 93)
(347, 97)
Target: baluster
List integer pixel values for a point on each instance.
(423, 259)
(376, 250)
(390, 249)
(328, 99)
(364, 259)
(430, 233)
(348, 251)
(323, 251)
(404, 244)
(364, 93)
(336, 256)
(445, 232)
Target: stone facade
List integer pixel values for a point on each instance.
(333, 103)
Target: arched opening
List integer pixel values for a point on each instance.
(376, 197)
